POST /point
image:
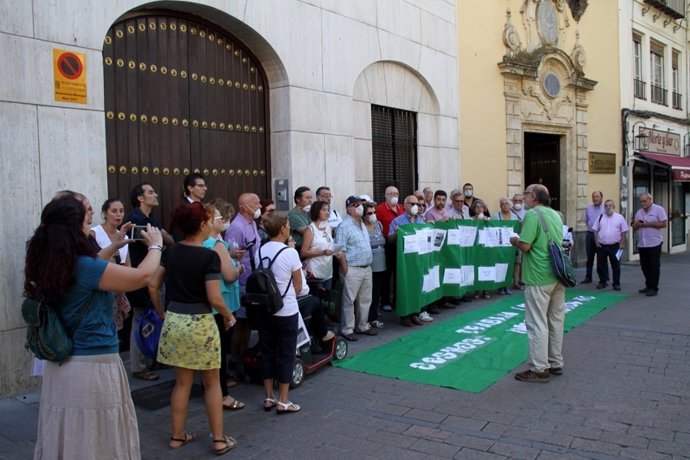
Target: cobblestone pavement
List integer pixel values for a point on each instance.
(625, 393)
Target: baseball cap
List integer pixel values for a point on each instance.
(365, 198)
(352, 200)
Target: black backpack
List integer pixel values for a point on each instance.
(262, 289)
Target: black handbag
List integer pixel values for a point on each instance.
(560, 263)
(46, 335)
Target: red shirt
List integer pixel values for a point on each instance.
(385, 214)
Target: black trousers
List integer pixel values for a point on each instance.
(591, 249)
(225, 338)
(650, 263)
(391, 259)
(606, 254)
(310, 306)
(278, 345)
(376, 297)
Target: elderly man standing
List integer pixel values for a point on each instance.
(385, 213)
(592, 213)
(649, 223)
(355, 270)
(610, 231)
(544, 293)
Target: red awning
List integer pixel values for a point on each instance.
(679, 165)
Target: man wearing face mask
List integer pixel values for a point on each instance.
(469, 198)
(409, 217)
(355, 271)
(610, 230)
(242, 231)
(299, 215)
(385, 213)
(518, 206)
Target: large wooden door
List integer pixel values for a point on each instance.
(542, 166)
(181, 95)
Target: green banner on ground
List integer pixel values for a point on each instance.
(473, 350)
(449, 259)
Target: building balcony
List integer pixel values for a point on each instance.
(659, 95)
(677, 100)
(640, 87)
(674, 8)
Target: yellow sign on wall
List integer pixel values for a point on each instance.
(69, 72)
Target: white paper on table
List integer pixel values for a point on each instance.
(411, 244)
(452, 276)
(486, 273)
(501, 272)
(36, 367)
(467, 275)
(439, 238)
(619, 254)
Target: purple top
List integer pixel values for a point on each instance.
(592, 213)
(242, 231)
(650, 237)
(434, 215)
(610, 228)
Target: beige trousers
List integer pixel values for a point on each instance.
(544, 317)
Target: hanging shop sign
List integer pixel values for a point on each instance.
(661, 141)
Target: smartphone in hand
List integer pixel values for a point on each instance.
(135, 233)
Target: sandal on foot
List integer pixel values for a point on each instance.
(234, 405)
(287, 408)
(145, 375)
(229, 444)
(184, 441)
(269, 403)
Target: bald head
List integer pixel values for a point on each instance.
(248, 204)
(537, 194)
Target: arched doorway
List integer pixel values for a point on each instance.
(183, 95)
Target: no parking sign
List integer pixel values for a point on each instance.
(69, 72)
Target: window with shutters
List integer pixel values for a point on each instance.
(394, 150)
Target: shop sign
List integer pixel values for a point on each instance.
(681, 175)
(661, 141)
(602, 163)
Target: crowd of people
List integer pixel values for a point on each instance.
(114, 274)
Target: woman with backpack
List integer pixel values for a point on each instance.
(278, 331)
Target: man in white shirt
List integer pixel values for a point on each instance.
(610, 230)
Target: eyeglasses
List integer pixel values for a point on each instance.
(457, 201)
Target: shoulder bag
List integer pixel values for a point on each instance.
(560, 263)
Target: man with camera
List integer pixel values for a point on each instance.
(143, 199)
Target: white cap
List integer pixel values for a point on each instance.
(366, 198)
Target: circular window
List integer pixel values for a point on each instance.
(552, 85)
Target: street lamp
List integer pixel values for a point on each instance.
(641, 140)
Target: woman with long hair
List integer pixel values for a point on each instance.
(189, 340)
(86, 410)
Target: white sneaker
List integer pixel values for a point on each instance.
(426, 317)
(387, 308)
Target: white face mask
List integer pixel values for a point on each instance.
(359, 210)
(480, 215)
(468, 193)
(414, 210)
(226, 226)
(394, 201)
(518, 206)
(257, 213)
(307, 208)
(372, 219)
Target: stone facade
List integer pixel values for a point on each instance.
(326, 61)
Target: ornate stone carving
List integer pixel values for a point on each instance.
(578, 55)
(511, 39)
(577, 8)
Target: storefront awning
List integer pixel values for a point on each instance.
(680, 166)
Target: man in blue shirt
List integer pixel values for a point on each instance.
(355, 270)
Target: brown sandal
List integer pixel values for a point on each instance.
(184, 441)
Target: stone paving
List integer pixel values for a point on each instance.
(625, 393)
